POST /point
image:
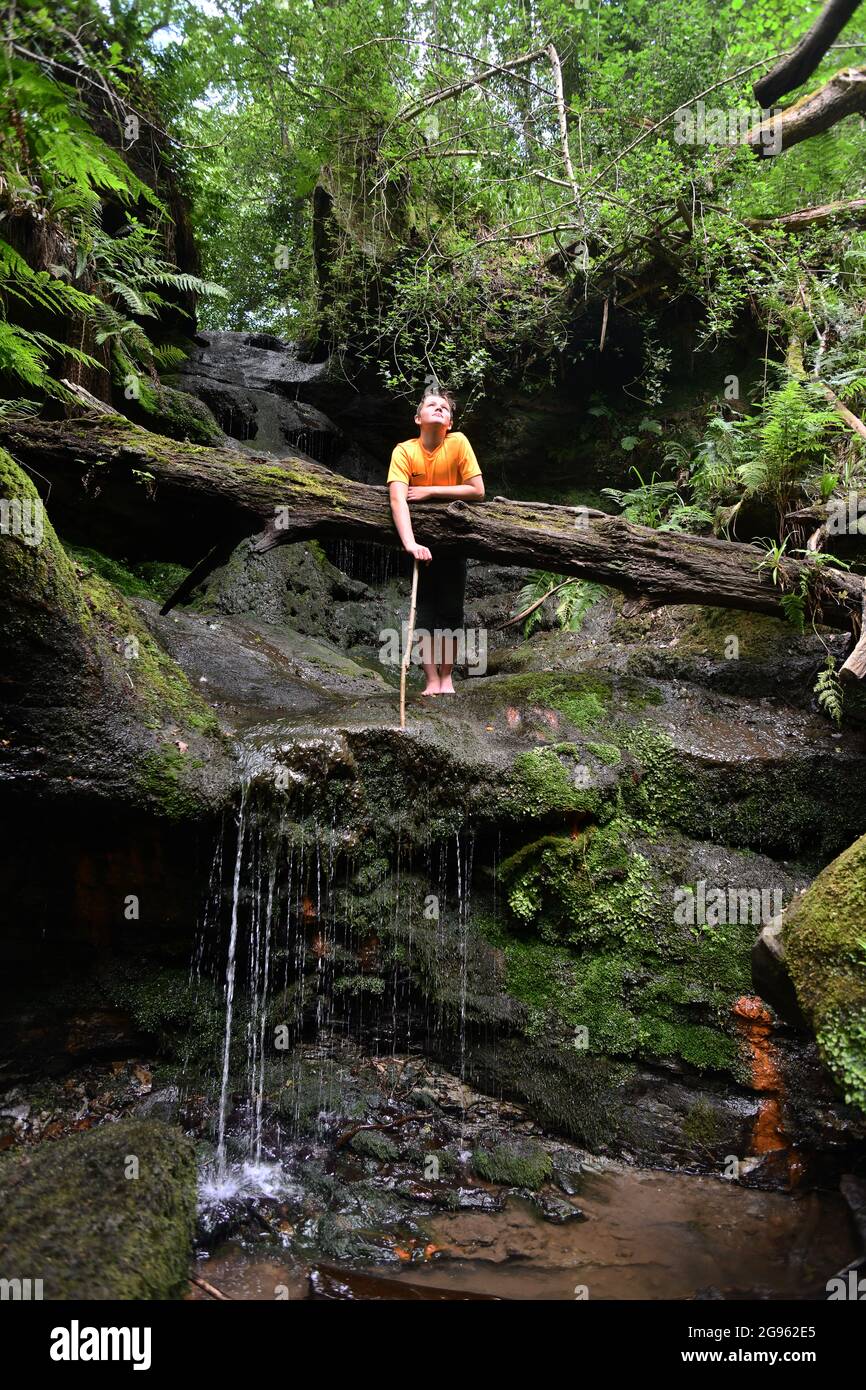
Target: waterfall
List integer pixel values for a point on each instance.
(230, 989)
(309, 975)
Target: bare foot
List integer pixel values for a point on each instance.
(447, 689)
(431, 690)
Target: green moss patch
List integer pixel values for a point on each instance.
(108, 1214)
(514, 1165)
(156, 680)
(154, 580)
(371, 1143)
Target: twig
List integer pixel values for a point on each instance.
(392, 1124)
(210, 1288)
(537, 604)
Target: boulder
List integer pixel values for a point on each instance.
(108, 1214)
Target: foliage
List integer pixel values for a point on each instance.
(574, 598)
(828, 688)
(82, 264)
(459, 241)
(658, 504)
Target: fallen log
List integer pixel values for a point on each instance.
(116, 484)
(852, 210)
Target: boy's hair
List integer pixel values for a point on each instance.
(438, 391)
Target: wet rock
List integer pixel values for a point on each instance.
(771, 976)
(105, 1215)
(555, 1210)
(479, 1199)
(568, 1181)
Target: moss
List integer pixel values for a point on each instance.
(545, 781)
(706, 632)
(157, 681)
(665, 794)
(515, 1165)
(186, 1017)
(607, 753)
(41, 576)
(163, 779)
(180, 416)
(154, 580)
(583, 698)
(337, 493)
(75, 1218)
(702, 1125)
(359, 984)
(825, 943)
(707, 1049)
(371, 1143)
(595, 888)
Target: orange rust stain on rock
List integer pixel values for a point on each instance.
(755, 1023)
(513, 716)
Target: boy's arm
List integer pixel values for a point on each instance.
(403, 521)
(473, 491)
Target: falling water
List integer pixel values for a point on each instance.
(230, 988)
(279, 930)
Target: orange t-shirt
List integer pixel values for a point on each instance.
(452, 463)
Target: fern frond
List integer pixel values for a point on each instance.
(830, 693)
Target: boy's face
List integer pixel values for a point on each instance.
(434, 410)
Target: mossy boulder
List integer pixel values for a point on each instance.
(180, 416)
(92, 704)
(371, 1143)
(522, 1164)
(825, 944)
(109, 1214)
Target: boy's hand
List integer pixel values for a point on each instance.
(419, 551)
(419, 494)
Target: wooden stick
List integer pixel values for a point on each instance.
(407, 654)
(210, 1288)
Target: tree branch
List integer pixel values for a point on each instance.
(799, 65)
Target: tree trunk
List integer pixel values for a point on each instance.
(114, 484)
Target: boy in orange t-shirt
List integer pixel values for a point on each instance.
(437, 465)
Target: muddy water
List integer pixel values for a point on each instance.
(648, 1235)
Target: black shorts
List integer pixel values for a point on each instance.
(441, 592)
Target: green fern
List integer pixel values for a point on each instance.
(168, 356)
(574, 598)
(829, 690)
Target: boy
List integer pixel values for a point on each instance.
(437, 465)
